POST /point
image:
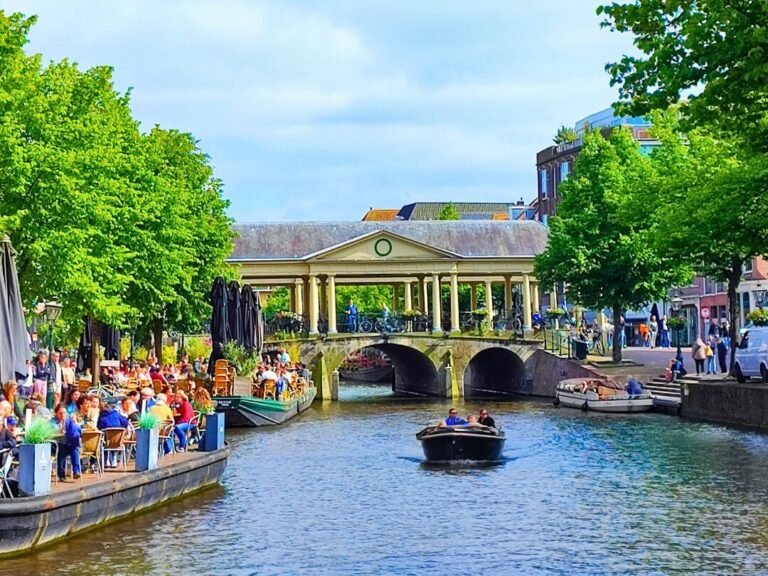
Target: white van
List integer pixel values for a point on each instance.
(752, 354)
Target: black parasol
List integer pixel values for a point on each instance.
(218, 320)
(110, 340)
(234, 317)
(258, 341)
(248, 316)
(85, 348)
(14, 344)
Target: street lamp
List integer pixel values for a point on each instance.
(677, 304)
(52, 313)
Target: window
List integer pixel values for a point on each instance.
(747, 268)
(544, 183)
(564, 170)
(745, 307)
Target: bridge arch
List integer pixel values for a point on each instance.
(415, 373)
(494, 372)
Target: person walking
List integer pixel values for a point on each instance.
(653, 328)
(663, 332)
(699, 355)
(722, 354)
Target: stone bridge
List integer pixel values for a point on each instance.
(424, 365)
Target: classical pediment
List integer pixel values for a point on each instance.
(381, 245)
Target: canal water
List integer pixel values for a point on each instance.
(342, 490)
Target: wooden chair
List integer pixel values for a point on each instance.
(270, 389)
(222, 386)
(183, 385)
(91, 447)
(84, 385)
(114, 441)
(166, 433)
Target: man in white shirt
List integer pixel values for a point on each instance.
(57, 377)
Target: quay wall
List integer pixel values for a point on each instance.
(27, 523)
(550, 369)
(744, 405)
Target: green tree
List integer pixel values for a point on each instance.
(711, 52)
(705, 203)
(449, 212)
(564, 135)
(599, 244)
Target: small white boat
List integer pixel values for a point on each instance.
(600, 395)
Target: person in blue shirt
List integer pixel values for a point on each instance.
(69, 444)
(454, 419)
(633, 387)
(352, 316)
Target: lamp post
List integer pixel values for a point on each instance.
(677, 304)
(52, 313)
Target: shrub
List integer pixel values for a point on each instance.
(148, 421)
(676, 322)
(196, 347)
(169, 354)
(39, 431)
(140, 354)
(758, 317)
(243, 362)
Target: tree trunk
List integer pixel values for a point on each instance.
(734, 278)
(95, 350)
(617, 334)
(157, 335)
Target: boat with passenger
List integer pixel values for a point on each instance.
(367, 366)
(456, 439)
(602, 395)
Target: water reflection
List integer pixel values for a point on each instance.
(343, 490)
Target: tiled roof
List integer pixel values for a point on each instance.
(431, 210)
(380, 215)
(469, 238)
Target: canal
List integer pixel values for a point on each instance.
(342, 490)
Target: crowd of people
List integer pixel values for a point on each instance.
(279, 377)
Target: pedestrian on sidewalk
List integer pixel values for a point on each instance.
(699, 355)
(664, 332)
(722, 354)
(653, 326)
(709, 349)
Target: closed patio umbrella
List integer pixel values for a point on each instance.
(258, 341)
(248, 317)
(85, 347)
(234, 317)
(218, 321)
(110, 340)
(14, 346)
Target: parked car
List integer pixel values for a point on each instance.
(752, 354)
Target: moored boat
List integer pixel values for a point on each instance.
(600, 395)
(370, 374)
(452, 443)
(249, 411)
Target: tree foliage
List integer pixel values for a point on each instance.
(711, 52)
(122, 226)
(564, 135)
(449, 212)
(599, 242)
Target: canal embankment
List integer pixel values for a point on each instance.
(28, 523)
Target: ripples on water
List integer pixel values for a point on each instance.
(343, 490)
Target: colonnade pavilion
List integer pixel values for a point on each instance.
(415, 257)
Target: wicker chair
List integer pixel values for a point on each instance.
(91, 447)
(166, 433)
(114, 441)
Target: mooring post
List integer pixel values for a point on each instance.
(335, 385)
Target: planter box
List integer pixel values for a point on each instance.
(147, 449)
(213, 439)
(35, 469)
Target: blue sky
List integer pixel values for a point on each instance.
(319, 110)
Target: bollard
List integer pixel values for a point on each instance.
(213, 439)
(335, 385)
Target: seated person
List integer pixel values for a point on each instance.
(164, 414)
(486, 420)
(74, 396)
(69, 443)
(8, 438)
(454, 419)
(109, 418)
(633, 387)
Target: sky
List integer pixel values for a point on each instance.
(319, 110)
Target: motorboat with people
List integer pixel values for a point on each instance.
(456, 439)
(367, 366)
(602, 395)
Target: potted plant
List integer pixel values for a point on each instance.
(676, 322)
(35, 458)
(147, 439)
(409, 316)
(758, 317)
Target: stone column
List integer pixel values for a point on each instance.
(408, 296)
(331, 290)
(298, 290)
(535, 296)
(473, 296)
(424, 296)
(526, 302)
(437, 321)
(489, 304)
(314, 305)
(455, 325)
(322, 298)
(507, 296)
(305, 297)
